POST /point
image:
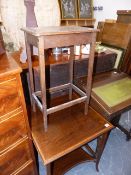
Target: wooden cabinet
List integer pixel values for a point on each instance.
(16, 151)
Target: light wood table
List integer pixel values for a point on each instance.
(51, 37)
(69, 130)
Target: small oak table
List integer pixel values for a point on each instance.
(61, 146)
(51, 37)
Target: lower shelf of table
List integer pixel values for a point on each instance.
(67, 162)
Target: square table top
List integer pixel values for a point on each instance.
(57, 30)
(68, 130)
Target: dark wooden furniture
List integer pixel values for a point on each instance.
(124, 16)
(16, 150)
(50, 37)
(99, 105)
(106, 58)
(113, 113)
(117, 35)
(69, 130)
(111, 37)
(57, 68)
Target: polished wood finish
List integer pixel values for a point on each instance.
(15, 131)
(9, 96)
(19, 155)
(27, 169)
(16, 151)
(50, 37)
(68, 130)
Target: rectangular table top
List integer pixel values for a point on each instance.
(57, 30)
(68, 130)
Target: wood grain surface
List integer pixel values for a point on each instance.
(68, 130)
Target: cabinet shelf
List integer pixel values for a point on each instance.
(87, 22)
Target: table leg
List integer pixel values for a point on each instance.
(71, 70)
(101, 141)
(90, 72)
(29, 51)
(42, 79)
(115, 122)
(116, 119)
(48, 169)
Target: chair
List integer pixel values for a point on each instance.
(124, 16)
(111, 90)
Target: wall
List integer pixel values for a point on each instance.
(13, 14)
(47, 13)
(110, 8)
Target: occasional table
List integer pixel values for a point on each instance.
(60, 147)
(51, 37)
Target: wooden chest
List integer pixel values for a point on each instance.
(16, 151)
(57, 70)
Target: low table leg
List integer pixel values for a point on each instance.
(90, 72)
(48, 169)
(71, 71)
(31, 79)
(115, 122)
(127, 132)
(101, 141)
(42, 79)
